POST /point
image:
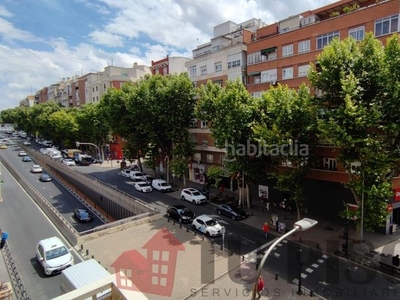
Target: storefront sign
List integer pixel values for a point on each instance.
(396, 194)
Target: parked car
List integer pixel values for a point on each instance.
(3, 146)
(27, 143)
(68, 162)
(207, 225)
(180, 213)
(83, 215)
(231, 211)
(9, 143)
(193, 195)
(36, 169)
(125, 173)
(149, 178)
(26, 158)
(53, 255)
(161, 185)
(137, 176)
(44, 177)
(22, 153)
(143, 186)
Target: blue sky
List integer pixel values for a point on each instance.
(43, 41)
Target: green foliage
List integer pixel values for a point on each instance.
(359, 110)
(214, 174)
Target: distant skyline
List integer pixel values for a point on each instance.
(44, 41)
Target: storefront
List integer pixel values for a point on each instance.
(197, 173)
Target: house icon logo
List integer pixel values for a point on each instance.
(155, 273)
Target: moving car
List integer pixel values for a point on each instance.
(26, 158)
(161, 185)
(180, 213)
(3, 146)
(44, 177)
(83, 215)
(143, 186)
(36, 169)
(53, 255)
(231, 211)
(137, 176)
(22, 153)
(207, 225)
(68, 162)
(9, 143)
(125, 173)
(193, 195)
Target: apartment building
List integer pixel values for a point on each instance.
(282, 52)
(169, 65)
(223, 58)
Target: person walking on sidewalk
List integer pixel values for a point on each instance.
(4, 237)
(266, 229)
(260, 286)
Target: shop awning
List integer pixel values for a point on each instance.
(255, 73)
(268, 50)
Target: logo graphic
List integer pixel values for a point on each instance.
(153, 274)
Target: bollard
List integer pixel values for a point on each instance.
(231, 252)
(187, 229)
(168, 219)
(82, 247)
(87, 251)
(276, 276)
(311, 293)
(92, 256)
(301, 240)
(242, 257)
(202, 237)
(222, 247)
(180, 225)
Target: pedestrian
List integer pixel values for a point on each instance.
(260, 286)
(4, 237)
(266, 229)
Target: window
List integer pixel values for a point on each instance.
(165, 70)
(197, 157)
(204, 143)
(104, 86)
(357, 33)
(203, 70)
(268, 75)
(254, 58)
(234, 60)
(97, 88)
(330, 164)
(256, 94)
(218, 82)
(387, 25)
(324, 39)
(303, 70)
(287, 73)
(303, 46)
(218, 67)
(93, 89)
(210, 158)
(287, 50)
(204, 124)
(192, 71)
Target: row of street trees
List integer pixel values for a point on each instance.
(358, 113)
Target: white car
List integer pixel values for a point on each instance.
(207, 225)
(68, 162)
(125, 173)
(192, 195)
(27, 143)
(22, 153)
(161, 185)
(53, 255)
(137, 176)
(143, 186)
(36, 169)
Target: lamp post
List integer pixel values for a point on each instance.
(299, 258)
(301, 225)
(362, 212)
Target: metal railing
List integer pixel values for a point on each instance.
(16, 281)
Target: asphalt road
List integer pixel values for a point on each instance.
(26, 225)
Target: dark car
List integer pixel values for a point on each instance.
(83, 215)
(180, 213)
(44, 177)
(26, 159)
(231, 211)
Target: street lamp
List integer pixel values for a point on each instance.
(362, 212)
(301, 225)
(91, 144)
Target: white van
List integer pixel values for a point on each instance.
(53, 255)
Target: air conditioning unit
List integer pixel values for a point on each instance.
(353, 167)
(273, 82)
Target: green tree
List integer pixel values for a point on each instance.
(359, 115)
(287, 131)
(62, 125)
(230, 111)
